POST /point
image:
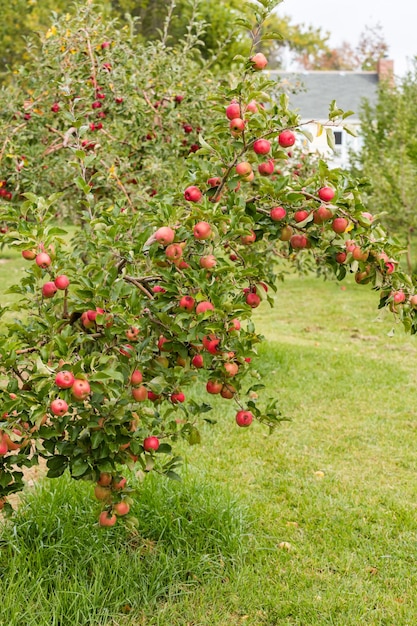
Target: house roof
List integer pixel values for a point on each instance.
(316, 89)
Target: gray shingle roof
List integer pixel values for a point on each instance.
(318, 89)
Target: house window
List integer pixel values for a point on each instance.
(338, 137)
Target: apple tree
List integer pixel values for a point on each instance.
(126, 328)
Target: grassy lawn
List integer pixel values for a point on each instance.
(314, 525)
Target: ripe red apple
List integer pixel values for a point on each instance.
(43, 260)
(237, 125)
(61, 282)
(231, 369)
(204, 306)
(339, 225)
(177, 397)
(211, 344)
(187, 303)
(398, 296)
(208, 262)
(59, 407)
(29, 255)
(64, 379)
(49, 289)
(96, 104)
(187, 128)
(136, 378)
(150, 443)
(233, 111)
(322, 214)
(197, 361)
(244, 418)
(55, 107)
(215, 181)
(193, 194)
(248, 239)
(106, 519)
(286, 138)
(164, 235)
(80, 389)
(121, 508)
(277, 213)
(301, 215)
(261, 146)
(173, 252)
(326, 194)
(259, 61)
(266, 168)
(202, 230)
(140, 394)
(119, 484)
(235, 325)
(253, 300)
(341, 257)
(158, 289)
(214, 386)
(252, 107)
(243, 168)
(298, 241)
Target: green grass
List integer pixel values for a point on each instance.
(336, 484)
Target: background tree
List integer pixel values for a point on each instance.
(219, 37)
(388, 158)
(364, 56)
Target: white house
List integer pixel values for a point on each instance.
(311, 92)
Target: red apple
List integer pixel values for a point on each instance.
(43, 260)
(150, 443)
(326, 194)
(237, 125)
(140, 394)
(187, 303)
(197, 361)
(193, 194)
(259, 61)
(248, 239)
(164, 235)
(244, 418)
(177, 397)
(235, 325)
(202, 230)
(55, 107)
(204, 306)
(214, 386)
(231, 369)
(29, 255)
(252, 107)
(233, 111)
(208, 262)
(80, 389)
(61, 282)
(298, 241)
(121, 508)
(398, 296)
(136, 378)
(286, 138)
(49, 289)
(322, 214)
(59, 407)
(105, 479)
(211, 344)
(278, 213)
(266, 168)
(261, 146)
(339, 225)
(253, 300)
(341, 257)
(106, 519)
(301, 215)
(64, 379)
(243, 168)
(173, 252)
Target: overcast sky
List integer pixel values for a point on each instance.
(346, 20)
